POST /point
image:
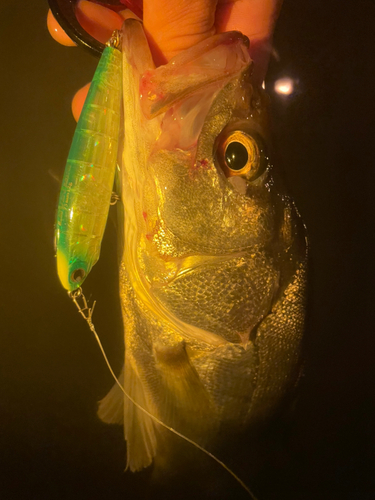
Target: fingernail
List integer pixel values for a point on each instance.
(57, 32)
(97, 20)
(79, 100)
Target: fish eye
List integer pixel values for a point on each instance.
(78, 275)
(241, 154)
(236, 156)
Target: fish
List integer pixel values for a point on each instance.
(213, 269)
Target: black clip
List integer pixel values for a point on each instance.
(65, 15)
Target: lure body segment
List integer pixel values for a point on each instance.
(89, 174)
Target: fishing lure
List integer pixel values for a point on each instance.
(87, 185)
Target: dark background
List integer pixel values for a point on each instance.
(51, 372)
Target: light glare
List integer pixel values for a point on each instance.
(284, 86)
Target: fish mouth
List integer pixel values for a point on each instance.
(222, 56)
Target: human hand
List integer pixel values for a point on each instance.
(172, 26)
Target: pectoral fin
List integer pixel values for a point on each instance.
(185, 404)
(139, 428)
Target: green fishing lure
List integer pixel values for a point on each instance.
(87, 185)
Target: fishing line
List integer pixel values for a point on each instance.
(86, 312)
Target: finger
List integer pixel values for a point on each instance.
(97, 20)
(256, 19)
(79, 100)
(57, 32)
(173, 26)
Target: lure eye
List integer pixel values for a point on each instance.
(78, 275)
(241, 154)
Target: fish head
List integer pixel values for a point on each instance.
(215, 231)
(213, 190)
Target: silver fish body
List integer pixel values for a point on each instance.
(213, 271)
